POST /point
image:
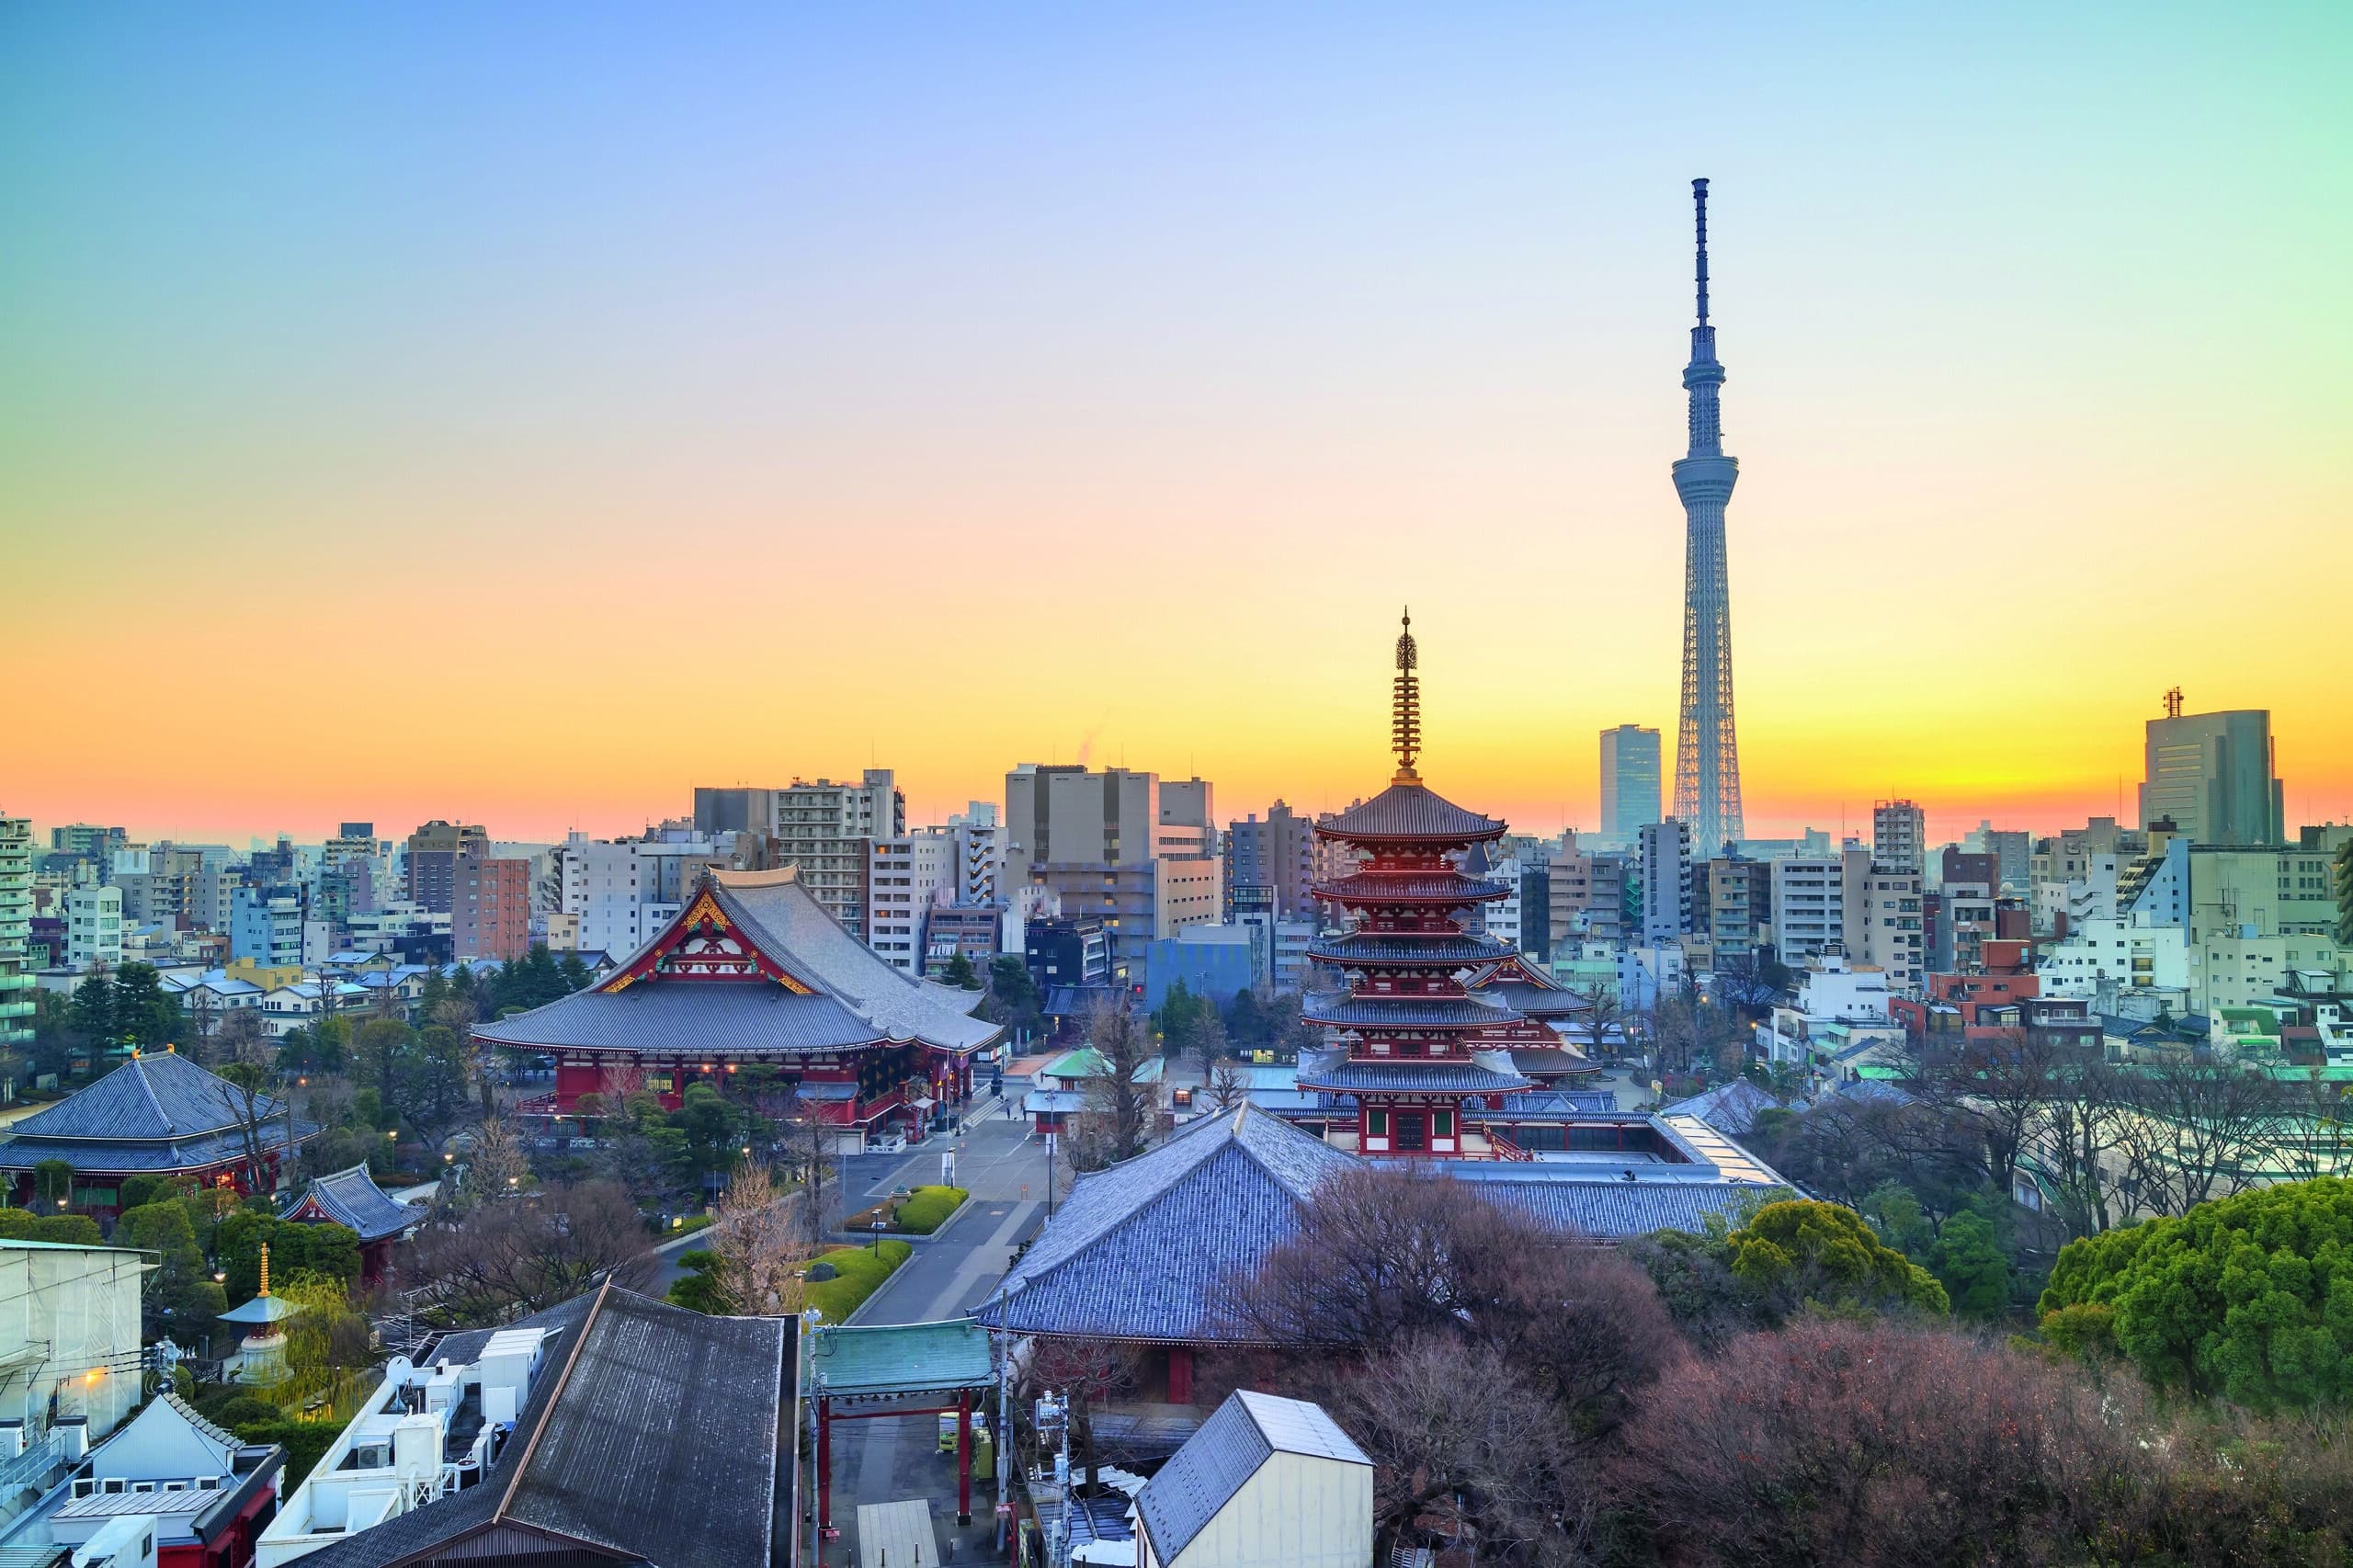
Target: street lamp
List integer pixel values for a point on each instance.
(879, 1224)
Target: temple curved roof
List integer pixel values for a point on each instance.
(1409, 813)
(352, 1198)
(158, 1112)
(838, 993)
(1128, 1255)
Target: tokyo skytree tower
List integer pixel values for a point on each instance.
(1707, 753)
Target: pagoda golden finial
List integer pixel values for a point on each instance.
(1406, 721)
(265, 1268)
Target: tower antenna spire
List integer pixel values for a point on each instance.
(1406, 715)
(1700, 203)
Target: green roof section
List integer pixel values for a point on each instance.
(898, 1359)
(1088, 1062)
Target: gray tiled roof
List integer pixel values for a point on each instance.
(1410, 887)
(1360, 947)
(1615, 1210)
(153, 1113)
(656, 1441)
(1374, 1011)
(784, 912)
(1406, 813)
(1728, 1108)
(352, 1197)
(1411, 1077)
(1141, 1250)
(689, 1018)
(153, 1098)
(1218, 1461)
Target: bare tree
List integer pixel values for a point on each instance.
(1121, 1102)
(808, 1144)
(758, 1242)
(2195, 1128)
(1228, 1088)
(243, 1084)
(203, 1016)
(508, 1258)
(2314, 1134)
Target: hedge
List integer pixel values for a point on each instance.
(928, 1209)
(859, 1273)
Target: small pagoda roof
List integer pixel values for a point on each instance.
(1406, 1076)
(262, 1310)
(352, 1198)
(1411, 887)
(1409, 813)
(1456, 950)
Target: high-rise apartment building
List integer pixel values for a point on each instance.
(1889, 926)
(93, 925)
(623, 892)
(1737, 916)
(906, 876)
(1120, 846)
(432, 851)
(490, 908)
(1664, 855)
(826, 829)
(16, 980)
(87, 841)
(2214, 775)
(1812, 896)
(1900, 834)
(1629, 781)
(1589, 895)
(1277, 854)
(265, 926)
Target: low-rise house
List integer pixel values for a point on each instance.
(169, 1489)
(1266, 1483)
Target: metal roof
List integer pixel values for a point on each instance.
(654, 1439)
(1406, 813)
(916, 1358)
(1218, 1461)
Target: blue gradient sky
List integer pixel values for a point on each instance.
(635, 397)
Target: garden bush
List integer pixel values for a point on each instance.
(862, 1270)
(928, 1209)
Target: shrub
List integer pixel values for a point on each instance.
(245, 1410)
(862, 1270)
(928, 1209)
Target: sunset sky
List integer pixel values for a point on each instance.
(524, 414)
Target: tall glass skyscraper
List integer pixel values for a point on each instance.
(1629, 781)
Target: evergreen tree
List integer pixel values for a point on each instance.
(94, 1012)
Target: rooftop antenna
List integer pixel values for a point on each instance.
(2173, 704)
(1700, 201)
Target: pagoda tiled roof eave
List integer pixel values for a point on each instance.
(1437, 949)
(1378, 1012)
(1358, 1076)
(1410, 813)
(1376, 888)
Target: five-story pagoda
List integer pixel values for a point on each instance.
(1407, 1024)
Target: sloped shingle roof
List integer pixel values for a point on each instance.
(1141, 1250)
(352, 1197)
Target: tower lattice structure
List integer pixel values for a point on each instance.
(1707, 752)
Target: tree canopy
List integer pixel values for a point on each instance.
(2250, 1297)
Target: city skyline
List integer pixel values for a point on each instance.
(511, 403)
